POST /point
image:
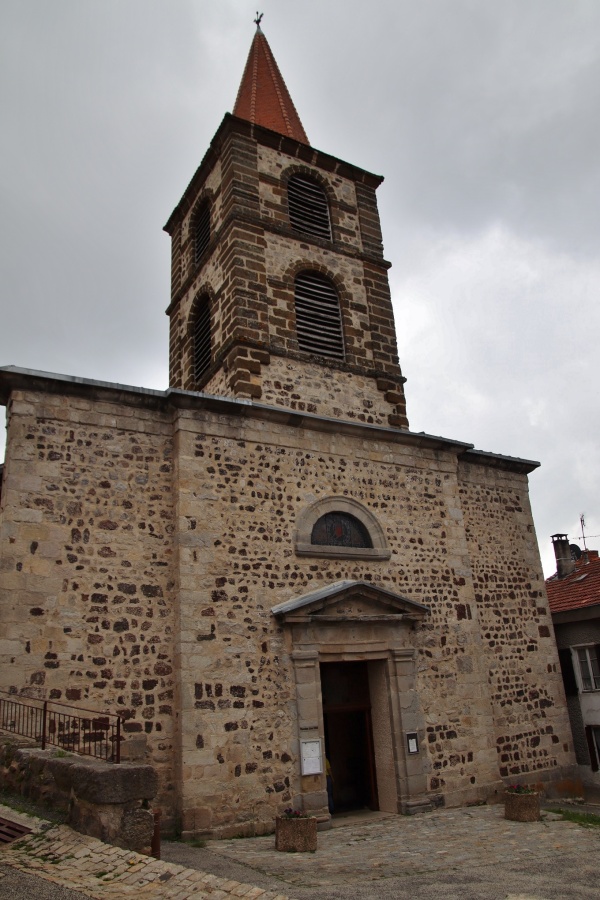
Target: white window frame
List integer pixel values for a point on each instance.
(587, 667)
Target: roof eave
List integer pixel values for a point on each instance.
(14, 378)
(267, 138)
(577, 614)
(499, 461)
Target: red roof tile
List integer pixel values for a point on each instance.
(263, 98)
(579, 589)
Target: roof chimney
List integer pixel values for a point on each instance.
(564, 563)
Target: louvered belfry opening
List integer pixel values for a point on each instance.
(201, 230)
(308, 207)
(202, 339)
(318, 316)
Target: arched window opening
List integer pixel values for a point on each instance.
(338, 529)
(308, 207)
(202, 339)
(318, 316)
(201, 230)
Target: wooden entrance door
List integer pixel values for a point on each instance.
(349, 734)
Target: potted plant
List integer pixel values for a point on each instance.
(521, 803)
(295, 832)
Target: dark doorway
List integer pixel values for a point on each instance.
(349, 735)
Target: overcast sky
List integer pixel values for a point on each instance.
(484, 118)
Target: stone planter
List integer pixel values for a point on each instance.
(296, 835)
(522, 807)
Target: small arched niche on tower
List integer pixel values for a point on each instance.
(340, 528)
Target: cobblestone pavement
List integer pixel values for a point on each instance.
(471, 854)
(62, 857)
(465, 853)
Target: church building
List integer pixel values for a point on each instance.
(262, 569)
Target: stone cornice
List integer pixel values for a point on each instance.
(232, 125)
(13, 378)
(237, 219)
(497, 461)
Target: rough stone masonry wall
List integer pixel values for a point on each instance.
(185, 268)
(313, 388)
(523, 674)
(257, 312)
(243, 484)
(87, 579)
(276, 168)
(353, 259)
(100, 799)
(88, 539)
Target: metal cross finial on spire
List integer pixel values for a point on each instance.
(258, 19)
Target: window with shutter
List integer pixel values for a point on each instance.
(318, 316)
(589, 668)
(308, 207)
(568, 672)
(201, 230)
(592, 735)
(202, 338)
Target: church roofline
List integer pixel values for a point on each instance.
(13, 378)
(499, 461)
(264, 136)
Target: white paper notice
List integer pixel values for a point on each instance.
(312, 762)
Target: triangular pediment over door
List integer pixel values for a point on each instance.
(350, 601)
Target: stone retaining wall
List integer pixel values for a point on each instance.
(106, 801)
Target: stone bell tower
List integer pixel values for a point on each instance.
(280, 292)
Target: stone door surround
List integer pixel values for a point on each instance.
(356, 621)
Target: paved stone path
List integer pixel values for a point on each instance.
(415, 845)
(83, 864)
(466, 854)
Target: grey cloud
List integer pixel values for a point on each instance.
(481, 115)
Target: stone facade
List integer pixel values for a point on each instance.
(105, 801)
(87, 616)
(148, 536)
(158, 549)
(248, 272)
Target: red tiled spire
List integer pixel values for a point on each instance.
(263, 98)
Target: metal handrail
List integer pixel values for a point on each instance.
(97, 735)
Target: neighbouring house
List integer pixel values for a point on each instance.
(262, 565)
(574, 597)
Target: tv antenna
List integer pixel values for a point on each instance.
(582, 521)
